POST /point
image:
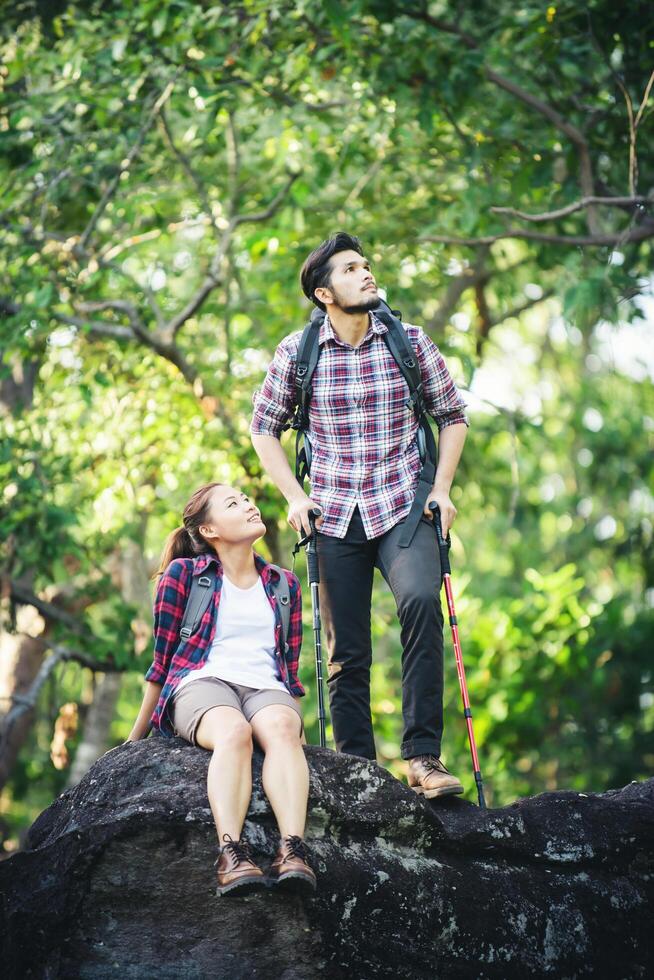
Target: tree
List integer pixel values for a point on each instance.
(167, 168)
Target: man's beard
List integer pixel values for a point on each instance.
(364, 307)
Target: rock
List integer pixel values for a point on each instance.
(117, 880)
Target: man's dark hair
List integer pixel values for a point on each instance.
(317, 270)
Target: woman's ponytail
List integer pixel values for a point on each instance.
(186, 541)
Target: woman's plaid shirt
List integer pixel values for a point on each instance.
(174, 657)
(362, 433)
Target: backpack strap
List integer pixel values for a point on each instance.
(405, 357)
(283, 595)
(307, 358)
(200, 595)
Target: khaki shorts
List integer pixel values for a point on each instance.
(195, 698)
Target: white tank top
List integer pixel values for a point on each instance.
(243, 648)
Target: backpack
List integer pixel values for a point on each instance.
(202, 590)
(399, 345)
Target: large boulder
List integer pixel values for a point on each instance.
(117, 880)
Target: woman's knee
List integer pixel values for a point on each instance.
(280, 727)
(224, 731)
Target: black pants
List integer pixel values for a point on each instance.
(414, 575)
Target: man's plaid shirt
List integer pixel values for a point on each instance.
(175, 657)
(363, 436)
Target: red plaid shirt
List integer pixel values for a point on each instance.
(362, 434)
(175, 657)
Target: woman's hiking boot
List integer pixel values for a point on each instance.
(237, 872)
(290, 869)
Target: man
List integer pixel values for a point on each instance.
(364, 473)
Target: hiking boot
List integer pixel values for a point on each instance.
(429, 777)
(290, 869)
(237, 871)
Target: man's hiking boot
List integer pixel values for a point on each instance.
(290, 869)
(429, 777)
(237, 872)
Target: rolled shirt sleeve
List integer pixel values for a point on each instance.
(274, 402)
(169, 605)
(442, 398)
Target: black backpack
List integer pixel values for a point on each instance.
(399, 345)
(202, 590)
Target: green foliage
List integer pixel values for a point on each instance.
(113, 211)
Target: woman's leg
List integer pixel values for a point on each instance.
(285, 774)
(225, 731)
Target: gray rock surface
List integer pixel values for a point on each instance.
(117, 880)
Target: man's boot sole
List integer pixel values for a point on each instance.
(242, 886)
(430, 794)
(294, 883)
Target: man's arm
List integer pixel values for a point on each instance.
(273, 459)
(450, 446)
(446, 406)
(273, 407)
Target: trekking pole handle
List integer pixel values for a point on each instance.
(312, 550)
(305, 538)
(444, 544)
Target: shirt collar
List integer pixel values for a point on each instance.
(327, 331)
(202, 562)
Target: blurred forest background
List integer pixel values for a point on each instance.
(166, 166)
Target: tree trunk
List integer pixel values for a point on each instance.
(95, 738)
(130, 575)
(21, 655)
(21, 652)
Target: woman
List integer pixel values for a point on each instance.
(230, 682)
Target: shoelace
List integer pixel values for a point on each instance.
(296, 847)
(238, 850)
(432, 764)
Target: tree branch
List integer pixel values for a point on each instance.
(272, 207)
(22, 703)
(573, 133)
(613, 202)
(640, 234)
(95, 328)
(21, 594)
(186, 164)
(125, 164)
(521, 308)
(233, 162)
(459, 284)
(212, 278)
(121, 305)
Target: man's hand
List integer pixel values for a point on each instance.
(446, 507)
(298, 514)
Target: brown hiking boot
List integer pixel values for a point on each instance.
(290, 869)
(429, 777)
(237, 871)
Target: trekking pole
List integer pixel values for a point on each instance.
(310, 540)
(314, 581)
(444, 547)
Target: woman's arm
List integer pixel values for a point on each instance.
(141, 726)
(169, 604)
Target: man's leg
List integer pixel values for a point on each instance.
(414, 575)
(347, 567)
